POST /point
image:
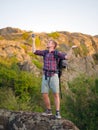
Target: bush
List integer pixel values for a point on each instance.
(25, 35)
(84, 49)
(22, 86)
(1, 38)
(38, 42)
(8, 99)
(54, 35)
(82, 106)
(77, 51)
(38, 64)
(95, 56)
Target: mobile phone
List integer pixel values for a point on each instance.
(33, 35)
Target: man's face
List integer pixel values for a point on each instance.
(50, 44)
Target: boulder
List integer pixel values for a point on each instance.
(10, 120)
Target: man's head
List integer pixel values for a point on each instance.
(51, 44)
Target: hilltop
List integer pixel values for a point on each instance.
(18, 43)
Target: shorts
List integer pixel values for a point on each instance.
(51, 83)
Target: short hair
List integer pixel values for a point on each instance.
(55, 43)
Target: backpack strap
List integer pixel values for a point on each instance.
(45, 52)
(59, 63)
(56, 54)
(58, 69)
(56, 57)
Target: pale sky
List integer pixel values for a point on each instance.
(50, 15)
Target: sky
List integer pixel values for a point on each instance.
(50, 15)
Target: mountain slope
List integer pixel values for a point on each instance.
(18, 44)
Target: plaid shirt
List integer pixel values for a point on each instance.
(50, 63)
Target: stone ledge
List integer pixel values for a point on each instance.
(32, 121)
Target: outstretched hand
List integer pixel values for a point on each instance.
(69, 54)
(74, 46)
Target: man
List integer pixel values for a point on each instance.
(50, 78)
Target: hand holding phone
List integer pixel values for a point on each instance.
(33, 35)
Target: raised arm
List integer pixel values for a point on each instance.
(33, 44)
(34, 50)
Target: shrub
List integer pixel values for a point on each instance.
(32, 55)
(84, 49)
(24, 47)
(82, 106)
(38, 64)
(8, 99)
(1, 38)
(95, 56)
(54, 35)
(77, 51)
(22, 86)
(25, 35)
(37, 41)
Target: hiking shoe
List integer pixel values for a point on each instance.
(48, 112)
(58, 116)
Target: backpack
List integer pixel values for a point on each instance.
(61, 64)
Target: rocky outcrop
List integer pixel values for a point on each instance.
(32, 121)
(17, 43)
(13, 49)
(82, 65)
(9, 30)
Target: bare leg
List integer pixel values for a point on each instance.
(57, 101)
(57, 104)
(46, 100)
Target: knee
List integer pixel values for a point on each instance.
(56, 95)
(45, 95)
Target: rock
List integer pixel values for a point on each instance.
(13, 45)
(10, 120)
(13, 49)
(82, 65)
(9, 30)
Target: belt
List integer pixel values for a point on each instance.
(49, 71)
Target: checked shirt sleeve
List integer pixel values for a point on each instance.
(62, 55)
(39, 52)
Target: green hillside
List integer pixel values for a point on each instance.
(21, 72)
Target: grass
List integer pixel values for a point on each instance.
(84, 51)
(54, 35)
(1, 38)
(38, 42)
(37, 63)
(95, 56)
